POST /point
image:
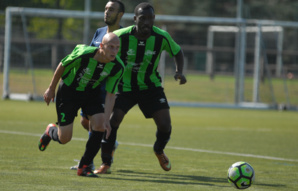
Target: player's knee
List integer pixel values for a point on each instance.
(97, 127)
(85, 123)
(64, 140)
(115, 122)
(65, 133)
(165, 128)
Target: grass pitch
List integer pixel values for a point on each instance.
(204, 143)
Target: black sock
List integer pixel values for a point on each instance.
(162, 139)
(107, 146)
(92, 148)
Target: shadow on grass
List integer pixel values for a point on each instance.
(169, 178)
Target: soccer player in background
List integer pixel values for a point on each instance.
(114, 11)
(140, 50)
(82, 73)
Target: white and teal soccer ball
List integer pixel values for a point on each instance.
(241, 175)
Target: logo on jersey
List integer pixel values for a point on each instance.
(100, 66)
(142, 43)
(104, 74)
(87, 71)
(131, 52)
(150, 52)
(82, 78)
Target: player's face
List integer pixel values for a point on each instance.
(111, 13)
(144, 21)
(111, 49)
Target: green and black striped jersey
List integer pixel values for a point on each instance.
(141, 57)
(82, 72)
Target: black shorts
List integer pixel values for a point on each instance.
(149, 101)
(103, 95)
(69, 101)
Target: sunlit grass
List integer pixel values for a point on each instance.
(204, 143)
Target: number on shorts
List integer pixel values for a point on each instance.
(63, 117)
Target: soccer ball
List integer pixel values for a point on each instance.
(241, 175)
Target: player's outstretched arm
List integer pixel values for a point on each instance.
(109, 105)
(50, 92)
(179, 61)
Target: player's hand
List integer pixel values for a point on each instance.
(180, 77)
(108, 128)
(49, 96)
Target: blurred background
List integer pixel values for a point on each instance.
(237, 52)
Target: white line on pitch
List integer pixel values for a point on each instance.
(169, 147)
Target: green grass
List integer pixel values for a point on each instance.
(204, 143)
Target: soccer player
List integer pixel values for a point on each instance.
(140, 50)
(81, 74)
(114, 11)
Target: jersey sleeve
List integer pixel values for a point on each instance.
(71, 60)
(170, 45)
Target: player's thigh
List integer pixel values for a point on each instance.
(67, 105)
(162, 119)
(117, 117)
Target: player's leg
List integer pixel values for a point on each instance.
(163, 122)
(93, 145)
(94, 109)
(66, 111)
(85, 123)
(61, 134)
(154, 105)
(124, 102)
(109, 144)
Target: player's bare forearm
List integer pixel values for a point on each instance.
(57, 75)
(49, 94)
(109, 105)
(179, 61)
